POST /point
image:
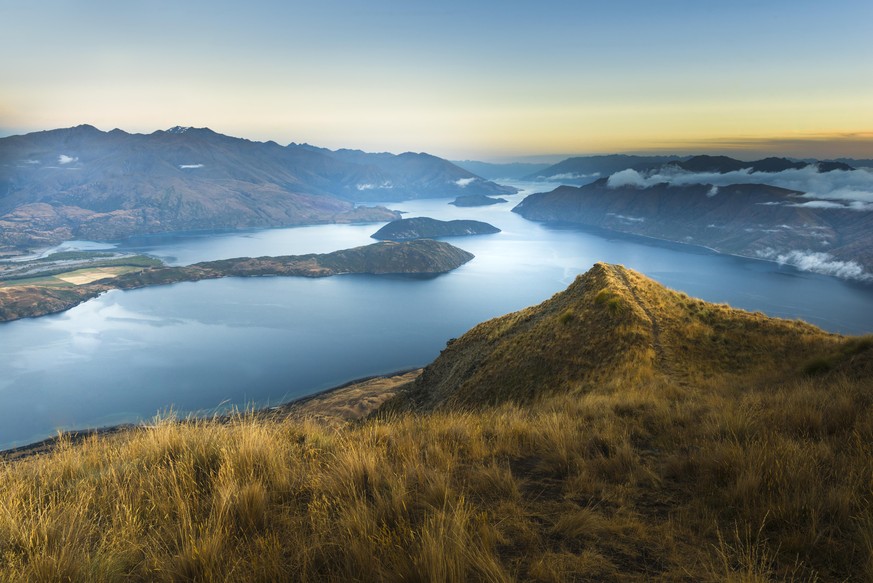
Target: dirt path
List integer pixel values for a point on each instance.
(656, 328)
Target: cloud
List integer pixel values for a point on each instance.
(842, 185)
(818, 262)
(627, 219)
(828, 204)
(712, 191)
(186, 166)
(64, 159)
(629, 177)
(464, 182)
(820, 204)
(570, 176)
(385, 185)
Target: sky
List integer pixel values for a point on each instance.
(473, 79)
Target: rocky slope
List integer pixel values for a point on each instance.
(428, 228)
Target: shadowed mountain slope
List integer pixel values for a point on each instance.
(753, 220)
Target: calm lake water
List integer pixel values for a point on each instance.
(199, 347)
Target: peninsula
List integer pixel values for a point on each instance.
(411, 257)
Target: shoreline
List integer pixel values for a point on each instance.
(412, 257)
(604, 232)
(48, 444)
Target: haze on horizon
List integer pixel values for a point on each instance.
(489, 80)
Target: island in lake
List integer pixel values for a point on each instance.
(55, 291)
(428, 228)
(472, 200)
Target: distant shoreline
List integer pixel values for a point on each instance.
(46, 445)
(684, 246)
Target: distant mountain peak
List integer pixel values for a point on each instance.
(178, 130)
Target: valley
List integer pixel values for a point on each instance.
(609, 403)
(215, 343)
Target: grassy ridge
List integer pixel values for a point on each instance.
(720, 474)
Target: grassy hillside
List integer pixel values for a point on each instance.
(613, 327)
(616, 432)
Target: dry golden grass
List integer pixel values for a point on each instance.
(683, 471)
(88, 275)
(634, 483)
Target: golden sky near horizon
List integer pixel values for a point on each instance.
(487, 80)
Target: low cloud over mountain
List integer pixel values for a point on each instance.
(845, 186)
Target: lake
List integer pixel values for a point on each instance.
(204, 346)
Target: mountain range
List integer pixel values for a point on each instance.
(497, 171)
(586, 169)
(753, 220)
(81, 182)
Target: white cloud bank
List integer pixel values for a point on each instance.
(852, 186)
(630, 177)
(571, 176)
(464, 182)
(818, 262)
(187, 166)
(64, 159)
(385, 185)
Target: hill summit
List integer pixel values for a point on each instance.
(613, 325)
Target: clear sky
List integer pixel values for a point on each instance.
(483, 79)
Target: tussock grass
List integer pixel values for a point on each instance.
(634, 483)
(688, 463)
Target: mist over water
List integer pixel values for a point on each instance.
(207, 345)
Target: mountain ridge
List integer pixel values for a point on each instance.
(81, 182)
(585, 169)
(751, 220)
